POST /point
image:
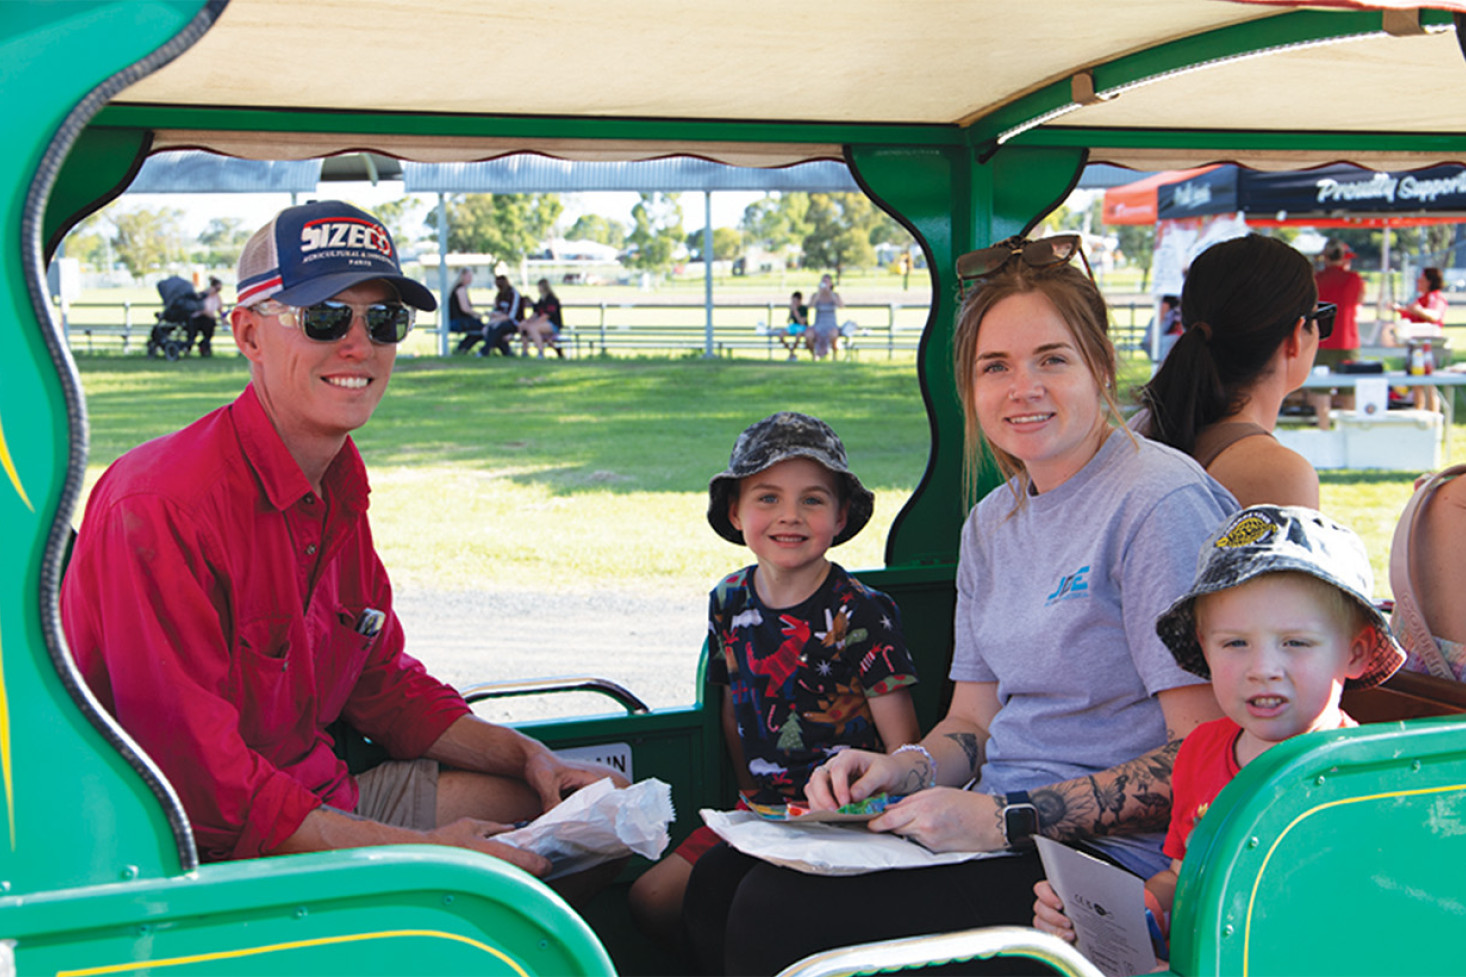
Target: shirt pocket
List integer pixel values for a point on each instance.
(345, 655)
(267, 666)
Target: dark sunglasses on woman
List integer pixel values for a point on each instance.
(326, 322)
(1323, 318)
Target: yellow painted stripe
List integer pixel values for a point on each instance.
(1257, 883)
(5, 751)
(8, 464)
(120, 968)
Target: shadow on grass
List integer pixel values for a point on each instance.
(574, 426)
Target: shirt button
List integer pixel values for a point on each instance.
(310, 549)
(310, 498)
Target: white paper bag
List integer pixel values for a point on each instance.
(598, 824)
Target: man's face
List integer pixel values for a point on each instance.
(314, 390)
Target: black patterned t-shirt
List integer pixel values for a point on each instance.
(801, 676)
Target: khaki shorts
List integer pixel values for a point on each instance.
(1333, 357)
(402, 793)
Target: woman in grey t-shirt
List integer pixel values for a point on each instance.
(1067, 710)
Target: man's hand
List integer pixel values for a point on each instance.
(554, 779)
(945, 819)
(475, 835)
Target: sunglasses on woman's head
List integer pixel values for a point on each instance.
(1323, 318)
(387, 323)
(974, 266)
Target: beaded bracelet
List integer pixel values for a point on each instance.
(918, 748)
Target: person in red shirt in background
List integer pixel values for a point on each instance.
(1339, 284)
(226, 604)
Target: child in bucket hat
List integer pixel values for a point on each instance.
(811, 661)
(1280, 620)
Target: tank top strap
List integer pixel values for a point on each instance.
(1219, 437)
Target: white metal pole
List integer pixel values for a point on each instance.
(707, 268)
(443, 289)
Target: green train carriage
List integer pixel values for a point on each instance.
(968, 121)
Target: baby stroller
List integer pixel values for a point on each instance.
(171, 336)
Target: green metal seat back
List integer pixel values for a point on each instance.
(1333, 853)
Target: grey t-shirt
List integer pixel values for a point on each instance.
(1057, 601)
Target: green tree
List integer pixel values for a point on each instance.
(221, 242)
(1137, 244)
(398, 217)
(597, 228)
(656, 231)
(777, 221)
(840, 231)
(727, 243)
(89, 243)
(1422, 247)
(148, 240)
(505, 226)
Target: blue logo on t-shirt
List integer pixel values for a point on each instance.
(1070, 586)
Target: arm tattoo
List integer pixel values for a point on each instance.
(919, 778)
(1128, 799)
(971, 747)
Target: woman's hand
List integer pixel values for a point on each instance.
(854, 775)
(946, 819)
(1048, 912)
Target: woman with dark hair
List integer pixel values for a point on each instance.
(1248, 309)
(1066, 708)
(1427, 314)
(544, 326)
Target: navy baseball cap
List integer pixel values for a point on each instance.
(312, 252)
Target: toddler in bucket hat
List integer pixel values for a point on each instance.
(1267, 539)
(1279, 619)
(777, 438)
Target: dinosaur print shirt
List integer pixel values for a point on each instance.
(801, 676)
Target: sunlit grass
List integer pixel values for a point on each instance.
(585, 475)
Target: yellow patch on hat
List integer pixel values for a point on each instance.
(1246, 531)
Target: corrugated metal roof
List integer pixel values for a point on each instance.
(540, 174)
(200, 172)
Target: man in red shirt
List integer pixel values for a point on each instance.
(226, 604)
(1338, 284)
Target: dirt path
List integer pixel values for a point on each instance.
(645, 641)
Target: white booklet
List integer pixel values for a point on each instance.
(1106, 904)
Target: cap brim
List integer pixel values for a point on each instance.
(319, 289)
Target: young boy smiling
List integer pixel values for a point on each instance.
(1279, 618)
(811, 661)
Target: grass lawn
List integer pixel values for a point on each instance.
(545, 475)
(554, 475)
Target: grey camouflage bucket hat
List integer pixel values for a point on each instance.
(1273, 539)
(777, 438)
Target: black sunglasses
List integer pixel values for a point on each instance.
(976, 265)
(326, 322)
(1323, 318)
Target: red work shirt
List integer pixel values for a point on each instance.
(212, 605)
(1345, 289)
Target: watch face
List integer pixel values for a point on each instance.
(1020, 824)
